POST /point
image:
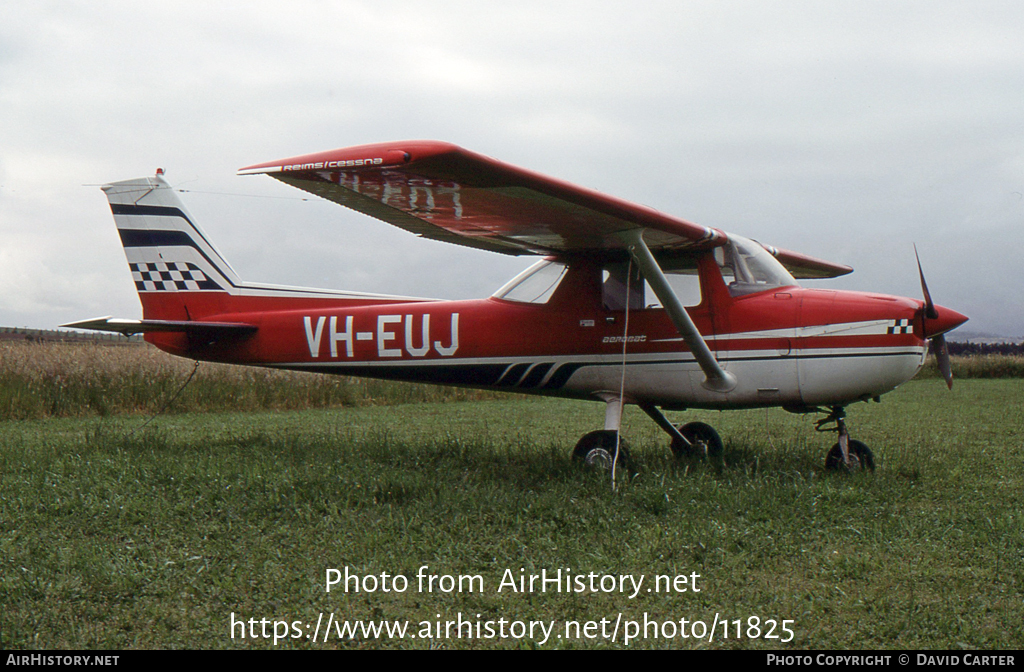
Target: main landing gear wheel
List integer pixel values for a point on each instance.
(861, 458)
(704, 441)
(597, 450)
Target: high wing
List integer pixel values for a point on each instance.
(440, 191)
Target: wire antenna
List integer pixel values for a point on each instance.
(226, 193)
(622, 380)
(169, 402)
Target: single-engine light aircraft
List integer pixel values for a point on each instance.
(627, 305)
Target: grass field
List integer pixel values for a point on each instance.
(58, 380)
(110, 539)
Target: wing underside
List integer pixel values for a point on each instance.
(441, 191)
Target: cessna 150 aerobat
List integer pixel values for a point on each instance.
(627, 305)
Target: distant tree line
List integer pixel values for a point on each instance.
(62, 336)
(969, 349)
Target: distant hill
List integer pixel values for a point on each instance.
(962, 336)
(975, 348)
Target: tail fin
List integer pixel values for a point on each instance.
(167, 252)
(179, 274)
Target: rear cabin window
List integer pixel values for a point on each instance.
(534, 285)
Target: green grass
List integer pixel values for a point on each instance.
(115, 540)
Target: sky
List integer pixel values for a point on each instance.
(845, 130)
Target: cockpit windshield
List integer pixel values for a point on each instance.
(747, 267)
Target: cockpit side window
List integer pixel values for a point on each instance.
(618, 278)
(681, 273)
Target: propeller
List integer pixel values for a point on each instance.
(936, 323)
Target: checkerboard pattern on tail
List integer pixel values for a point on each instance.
(170, 277)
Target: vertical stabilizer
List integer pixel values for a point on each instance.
(167, 252)
(178, 272)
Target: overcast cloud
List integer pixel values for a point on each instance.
(846, 130)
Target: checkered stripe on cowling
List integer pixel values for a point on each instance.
(170, 277)
(900, 327)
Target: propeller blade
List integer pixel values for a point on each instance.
(951, 320)
(942, 359)
(929, 305)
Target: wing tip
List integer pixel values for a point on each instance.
(807, 267)
(379, 155)
(259, 169)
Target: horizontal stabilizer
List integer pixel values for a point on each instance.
(129, 327)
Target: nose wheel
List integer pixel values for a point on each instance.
(848, 455)
(858, 457)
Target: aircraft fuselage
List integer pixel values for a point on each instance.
(788, 346)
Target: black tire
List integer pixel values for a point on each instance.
(597, 450)
(704, 439)
(861, 457)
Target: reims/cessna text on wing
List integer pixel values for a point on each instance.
(627, 306)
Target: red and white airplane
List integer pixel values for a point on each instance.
(627, 305)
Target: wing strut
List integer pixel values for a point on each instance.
(716, 379)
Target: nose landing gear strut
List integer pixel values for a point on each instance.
(847, 454)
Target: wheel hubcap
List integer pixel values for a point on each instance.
(600, 458)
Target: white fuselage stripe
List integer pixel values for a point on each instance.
(864, 328)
